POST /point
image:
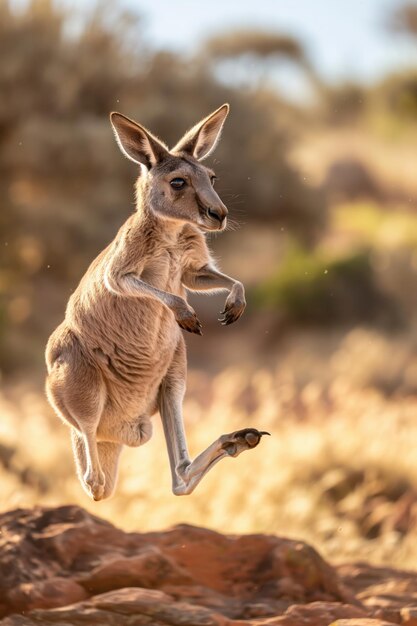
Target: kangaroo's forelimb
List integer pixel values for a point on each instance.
(131, 285)
(208, 278)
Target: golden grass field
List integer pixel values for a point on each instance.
(340, 469)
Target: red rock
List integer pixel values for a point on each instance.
(130, 607)
(66, 567)
(409, 616)
(361, 622)
(148, 569)
(49, 593)
(315, 614)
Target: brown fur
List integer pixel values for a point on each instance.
(121, 336)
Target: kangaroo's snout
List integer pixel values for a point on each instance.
(212, 209)
(214, 215)
(217, 213)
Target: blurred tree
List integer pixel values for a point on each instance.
(404, 19)
(262, 45)
(399, 91)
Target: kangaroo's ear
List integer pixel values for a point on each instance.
(137, 143)
(201, 140)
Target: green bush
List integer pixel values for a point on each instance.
(310, 287)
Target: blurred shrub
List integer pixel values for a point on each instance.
(348, 179)
(397, 95)
(344, 104)
(312, 288)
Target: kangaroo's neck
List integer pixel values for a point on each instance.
(147, 223)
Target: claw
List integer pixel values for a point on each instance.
(229, 316)
(191, 325)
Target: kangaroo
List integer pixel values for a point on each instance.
(119, 355)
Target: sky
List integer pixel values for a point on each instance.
(344, 38)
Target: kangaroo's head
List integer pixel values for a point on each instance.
(174, 182)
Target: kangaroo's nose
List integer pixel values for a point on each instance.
(218, 214)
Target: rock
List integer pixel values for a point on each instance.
(409, 616)
(384, 590)
(148, 569)
(64, 566)
(317, 614)
(130, 607)
(361, 622)
(47, 594)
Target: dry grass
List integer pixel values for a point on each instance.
(340, 469)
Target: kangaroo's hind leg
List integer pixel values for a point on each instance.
(77, 392)
(108, 454)
(186, 474)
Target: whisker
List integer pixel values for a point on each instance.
(238, 211)
(233, 224)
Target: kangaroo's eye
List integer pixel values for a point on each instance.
(178, 183)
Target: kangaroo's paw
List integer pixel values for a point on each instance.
(191, 323)
(94, 480)
(234, 306)
(241, 440)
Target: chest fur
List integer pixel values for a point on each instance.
(164, 269)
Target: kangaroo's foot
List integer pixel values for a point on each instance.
(94, 481)
(188, 473)
(241, 440)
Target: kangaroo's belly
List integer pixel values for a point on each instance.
(132, 341)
